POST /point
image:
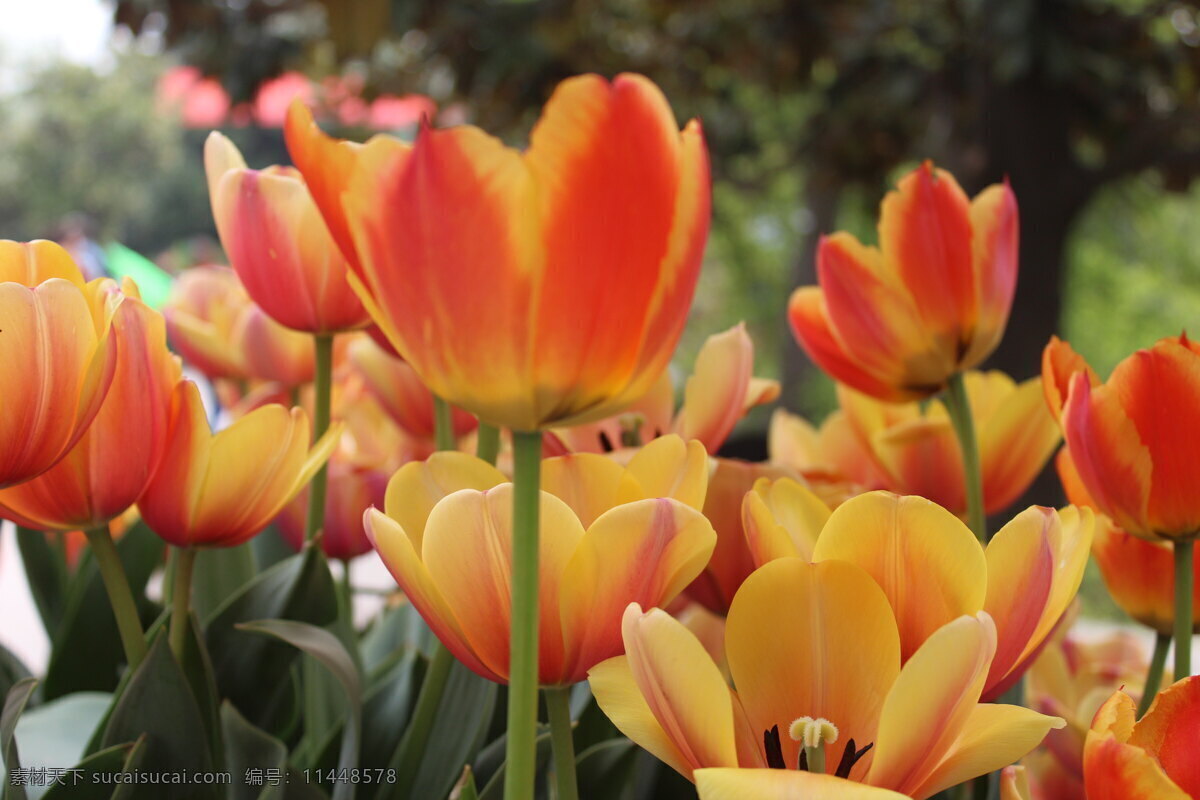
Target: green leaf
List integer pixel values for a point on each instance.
(12, 670)
(491, 763)
(47, 573)
(14, 704)
(299, 588)
(219, 572)
(605, 771)
(198, 669)
(395, 629)
(86, 649)
(459, 728)
(91, 779)
(465, 788)
(329, 651)
(246, 748)
(159, 703)
(387, 709)
(55, 734)
(270, 548)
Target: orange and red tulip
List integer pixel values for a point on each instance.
(1153, 758)
(109, 467)
(610, 535)
(219, 490)
(352, 488)
(897, 320)
(815, 641)
(278, 243)
(1134, 438)
(1025, 579)
(914, 449)
(493, 270)
(59, 356)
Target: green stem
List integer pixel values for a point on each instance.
(443, 425)
(487, 442)
(323, 386)
(428, 700)
(1184, 578)
(562, 741)
(1162, 643)
(958, 406)
(124, 609)
(181, 598)
(523, 656)
(347, 592)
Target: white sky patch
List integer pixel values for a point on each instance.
(36, 31)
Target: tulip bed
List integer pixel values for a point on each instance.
(454, 354)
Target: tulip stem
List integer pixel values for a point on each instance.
(124, 609)
(523, 658)
(1162, 643)
(1184, 577)
(487, 442)
(562, 742)
(323, 385)
(443, 425)
(181, 597)
(958, 406)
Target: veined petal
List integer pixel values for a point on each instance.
(669, 467)
(779, 784)
(418, 486)
(993, 736)
(1139, 575)
(644, 552)
(1060, 362)
(270, 351)
(928, 707)
(816, 640)
(587, 482)
(1170, 730)
(927, 562)
(995, 236)
(33, 263)
(1014, 444)
(782, 518)
(923, 457)
(1116, 770)
(714, 398)
(467, 549)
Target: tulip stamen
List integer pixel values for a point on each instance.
(813, 734)
(631, 429)
(850, 757)
(774, 749)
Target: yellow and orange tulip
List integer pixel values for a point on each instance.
(109, 467)
(609, 536)
(278, 244)
(352, 488)
(814, 642)
(1153, 758)
(897, 320)
(933, 569)
(219, 490)
(1134, 438)
(495, 272)
(58, 355)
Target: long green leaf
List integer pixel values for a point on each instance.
(46, 573)
(14, 704)
(12, 670)
(248, 748)
(218, 574)
(94, 777)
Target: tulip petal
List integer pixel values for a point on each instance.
(816, 640)
(1015, 443)
(586, 482)
(467, 549)
(930, 703)
(923, 457)
(778, 784)
(995, 236)
(782, 518)
(669, 467)
(645, 553)
(928, 562)
(33, 263)
(1059, 363)
(1171, 730)
(714, 398)
(418, 486)
(1115, 770)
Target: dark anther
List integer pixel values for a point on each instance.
(850, 757)
(802, 764)
(606, 442)
(774, 749)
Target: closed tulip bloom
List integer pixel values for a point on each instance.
(536, 288)
(219, 490)
(202, 310)
(610, 537)
(1153, 758)
(107, 470)
(915, 452)
(278, 243)
(897, 321)
(352, 488)
(400, 392)
(821, 703)
(272, 352)
(933, 569)
(1133, 439)
(58, 356)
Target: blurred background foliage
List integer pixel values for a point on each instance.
(1091, 108)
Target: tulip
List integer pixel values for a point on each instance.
(219, 490)
(832, 459)
(32, 263)
(399, 390)
(913, 447)
(933, 570)
(1133, 441)
(351, 489)
(494, 272)
(1014, 784)
(278, 244)
(897, 321)
(814, 654)
(1152, 758)
(109, 467)
(610, 535)
(59, 357)
(201, 311)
